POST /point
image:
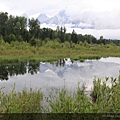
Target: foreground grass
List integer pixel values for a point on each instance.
(102, 99)
(20, 102)
(15, 52)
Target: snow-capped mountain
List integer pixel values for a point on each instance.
(53, 20)
(83, 20)
(43, 18)
(62, 19)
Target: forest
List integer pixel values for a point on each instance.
(20, 29)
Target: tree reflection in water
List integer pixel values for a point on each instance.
(21, 68)
(33, 67)
(60, 62)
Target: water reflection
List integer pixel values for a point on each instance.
(61, 73)
(63, 62)
(33, 67)
(21, 68)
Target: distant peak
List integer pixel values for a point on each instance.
(25, 15)
(42, 14)
(43, 18)
(62, 13)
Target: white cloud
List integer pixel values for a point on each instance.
(3, 8)
(103, 13)
(101, 20)
(53, 6)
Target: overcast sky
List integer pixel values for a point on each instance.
(100, 11)
(105, 14)
(51, 7)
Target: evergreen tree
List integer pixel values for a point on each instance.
(74, 37)
(3, 23)
(34, 27)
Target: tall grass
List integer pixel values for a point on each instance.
(20, 102)
(24, 52)
(105, 98)
(102, 99)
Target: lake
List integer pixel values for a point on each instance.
(64, 73)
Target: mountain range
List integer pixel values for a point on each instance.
(62, 19)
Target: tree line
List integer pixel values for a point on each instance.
(17, 28)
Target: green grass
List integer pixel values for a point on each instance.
(20, 102)
(15, 53)
(103, 99)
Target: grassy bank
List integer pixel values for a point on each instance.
(102, 99)
(23, 52)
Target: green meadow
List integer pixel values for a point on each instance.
(52, 51)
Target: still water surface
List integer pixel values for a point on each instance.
(62, 73)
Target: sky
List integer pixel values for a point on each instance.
(105, 14)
